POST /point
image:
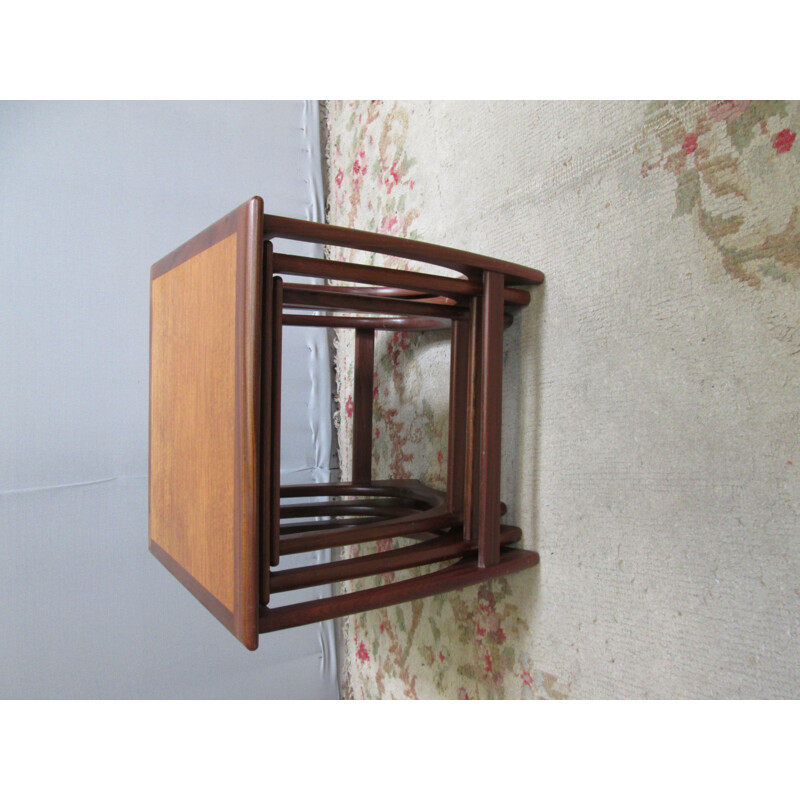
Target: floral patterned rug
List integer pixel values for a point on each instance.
(463, 644)
(674, 226)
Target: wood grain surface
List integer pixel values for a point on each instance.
(205, 397)
(192, 403)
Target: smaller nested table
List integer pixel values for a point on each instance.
(218, 305)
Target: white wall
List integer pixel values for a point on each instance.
(91, 195)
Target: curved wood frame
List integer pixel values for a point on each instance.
(460, 525)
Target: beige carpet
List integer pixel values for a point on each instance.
(652, 393)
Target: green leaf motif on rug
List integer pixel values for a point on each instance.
(467, 671)
(687, 193)
(743, 129)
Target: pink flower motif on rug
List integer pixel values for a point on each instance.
(361, 652)
(783, 141)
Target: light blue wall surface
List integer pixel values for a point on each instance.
(92, 194)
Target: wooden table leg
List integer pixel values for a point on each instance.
(363, 384)
(491, 395)
(472, 445)
(275, 450)
(457, 422)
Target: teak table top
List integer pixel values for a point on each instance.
(205, 373)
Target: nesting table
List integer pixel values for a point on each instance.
(216, 522)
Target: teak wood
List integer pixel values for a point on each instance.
(218, 306)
